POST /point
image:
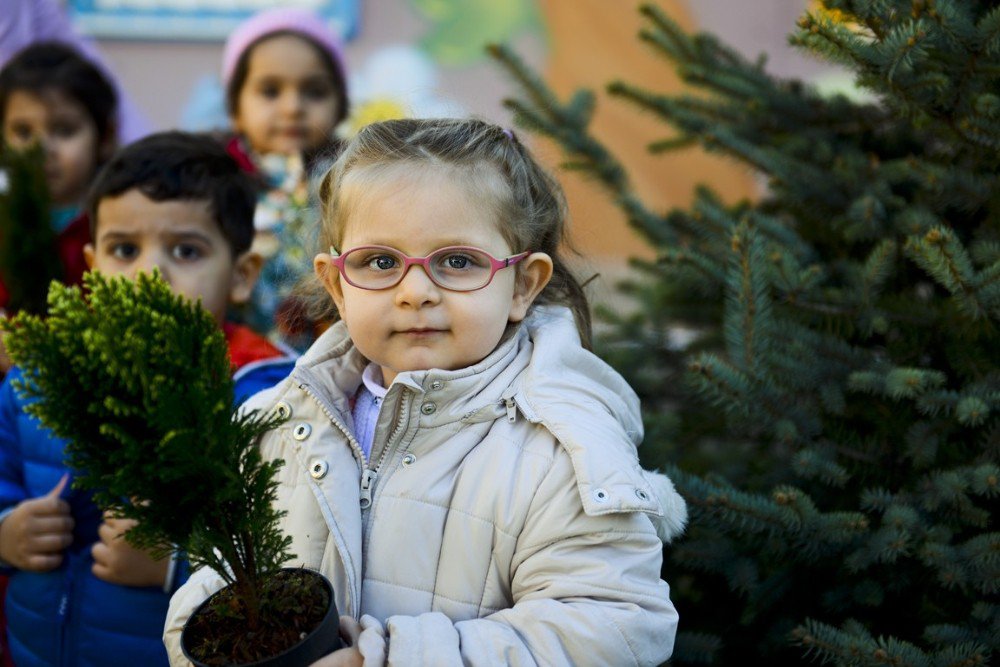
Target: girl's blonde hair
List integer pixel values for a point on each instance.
(528, 203)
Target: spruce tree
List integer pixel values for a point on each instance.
(833, 421)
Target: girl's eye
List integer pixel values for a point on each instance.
(270, 91)
(317, 91)
(65, 130)
(186, 252)
(21, 134)
(124, 251)
(459, 261)
(382, 263)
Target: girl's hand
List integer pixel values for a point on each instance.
(350, 630)
(118, 562)
(34, 535)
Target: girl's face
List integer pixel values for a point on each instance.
(288, 102)
(67, 135)
(418, 325)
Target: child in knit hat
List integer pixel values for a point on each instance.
(286, 90)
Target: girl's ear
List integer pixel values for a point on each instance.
(88, 255)
(246, 269)
(534, 273)
(329, 275)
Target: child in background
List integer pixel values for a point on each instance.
(79, 594)
(51, 95)
(464, 469)
(286, 91)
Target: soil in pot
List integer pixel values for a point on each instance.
(295, 603)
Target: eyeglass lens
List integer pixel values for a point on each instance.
(455, 269)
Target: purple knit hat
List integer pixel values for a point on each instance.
(280, 20)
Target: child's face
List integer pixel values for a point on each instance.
(137, 234)
(288, 102)
(417, 325)
(67, 134)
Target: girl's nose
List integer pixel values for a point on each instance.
(417, 289)
(292, 102)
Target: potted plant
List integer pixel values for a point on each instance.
(137, 380)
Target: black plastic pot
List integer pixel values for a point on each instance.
(324, 639)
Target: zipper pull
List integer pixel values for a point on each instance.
(368, 478)
(63, 605)
(511, 409)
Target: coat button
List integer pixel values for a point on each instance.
(409, 459)
(428, 408)
(283, 410)
(302, 431)
(436, 385)
(600, 495)
(318, 468)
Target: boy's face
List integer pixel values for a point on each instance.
(66, 133)
(180, 237)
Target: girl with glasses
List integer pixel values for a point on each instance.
(458, 463)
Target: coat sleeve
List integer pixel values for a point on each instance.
(586, 591)
(12, 490)
(199, 586)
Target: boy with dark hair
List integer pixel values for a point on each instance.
(79, 594)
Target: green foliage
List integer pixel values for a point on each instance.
(28, 259)
(818, 368)
(138, 381)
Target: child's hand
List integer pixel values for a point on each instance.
(34, 535)
(118, 562)
(350, 630)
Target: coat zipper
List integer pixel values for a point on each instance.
(370, 475)
(511, 409)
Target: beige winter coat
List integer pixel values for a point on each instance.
(509, 521)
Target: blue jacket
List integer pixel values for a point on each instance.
(69, 617)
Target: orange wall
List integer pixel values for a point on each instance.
(594, 42)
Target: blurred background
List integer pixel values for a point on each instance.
(426, 57)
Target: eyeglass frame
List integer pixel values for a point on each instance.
(337, 259)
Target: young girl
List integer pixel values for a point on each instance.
(53, 96)
(458, 464)
(286, 91)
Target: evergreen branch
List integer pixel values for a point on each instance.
(569, 127)
(138, 381)
(28, 257)
(942, 256)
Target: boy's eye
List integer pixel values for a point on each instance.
(186, 252)
(124, 251)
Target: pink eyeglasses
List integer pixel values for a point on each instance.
(455, 268)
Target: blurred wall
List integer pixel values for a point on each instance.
(576, 43)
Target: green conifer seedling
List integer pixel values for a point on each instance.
(137, 380)
(28, 259)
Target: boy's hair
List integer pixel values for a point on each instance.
(56, 66)
(527, 203)
(185, 166)
(300, 23)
